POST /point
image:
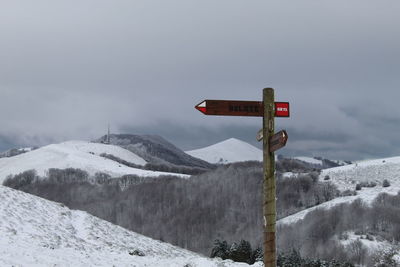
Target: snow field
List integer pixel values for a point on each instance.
(98, 149)
(38, 232)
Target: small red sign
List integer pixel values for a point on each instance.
(282, 109)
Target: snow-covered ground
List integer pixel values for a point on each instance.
(228, 151)
(293, 175)
(372, 245)
(289, 175)
(38, 232)
(346, 178)
(98, 149)
(310, 160)
(76, 154)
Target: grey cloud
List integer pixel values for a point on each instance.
(70, 68)
(197, 136)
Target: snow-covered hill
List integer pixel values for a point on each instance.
(228, 151)
(156, 150)
(377, 170)
(75, 154)
(370, 176)
(310, 160)
(38, 232)
(347, 177)
(99, 149)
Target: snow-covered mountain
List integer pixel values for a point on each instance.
(348, 176)
(38, 232)
(156, 150)
(228, 151)
(75, 154)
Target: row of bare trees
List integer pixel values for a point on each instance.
(323, 233)
(224, 204)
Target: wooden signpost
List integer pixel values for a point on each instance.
(268, 109)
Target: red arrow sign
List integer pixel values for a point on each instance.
(231, 108)
(240, 108)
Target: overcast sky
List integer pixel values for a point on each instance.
(68, 68)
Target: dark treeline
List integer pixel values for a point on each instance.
(304, 191)
(239, 252)
(319, 233)
(294, 259)
(15, 152)
(166, 167)
(191, 213)
(293, 165)
(243, 252)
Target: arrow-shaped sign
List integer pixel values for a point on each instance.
(231, 108)
(240, 108)
(278, 141)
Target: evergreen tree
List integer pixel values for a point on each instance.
(241, 252)
(292, 259)
(220, 250)
(257, 255)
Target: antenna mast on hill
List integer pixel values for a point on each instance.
(108, 135)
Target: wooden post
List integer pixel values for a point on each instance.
(269, 191)
(265, 109)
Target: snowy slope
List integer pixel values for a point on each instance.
(38, 232)
(310, 160)
(98, 149)
(228, 151)
(346, 178)
(156, 150)
(75, 154)
(376, 170)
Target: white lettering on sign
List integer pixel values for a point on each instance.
(282, 109)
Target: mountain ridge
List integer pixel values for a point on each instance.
(155, 149)
(228, 151)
